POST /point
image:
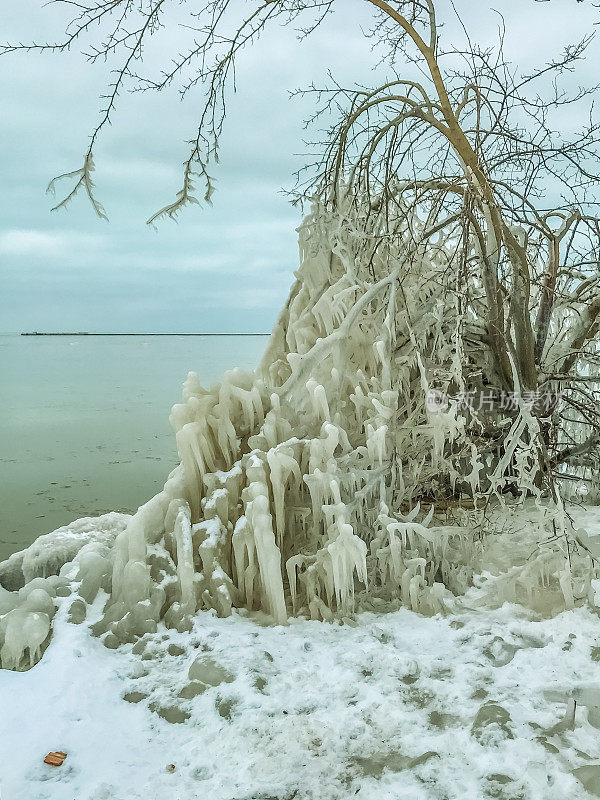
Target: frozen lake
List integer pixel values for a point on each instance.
(85, 428)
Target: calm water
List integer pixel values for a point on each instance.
(84, 427)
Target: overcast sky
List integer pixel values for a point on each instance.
(221, 269)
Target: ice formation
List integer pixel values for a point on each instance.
(318, 477)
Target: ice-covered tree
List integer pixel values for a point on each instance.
(439, 346)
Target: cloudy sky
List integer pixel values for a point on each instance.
(226, 268)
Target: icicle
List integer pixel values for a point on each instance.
(268, 554)
(282, 465)
(185, 559)
(348, 554)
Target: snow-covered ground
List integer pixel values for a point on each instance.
(384, 706)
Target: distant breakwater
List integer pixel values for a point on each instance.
(86, 333)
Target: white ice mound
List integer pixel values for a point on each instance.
(22, 632)
(50, 552)
(300, 484)
(31, 580)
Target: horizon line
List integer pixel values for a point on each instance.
(88, 333)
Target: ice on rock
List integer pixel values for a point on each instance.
(589, 776)
(8, 601)
(206, 670)
(491, 724)
(22, 634)
(25, 618)
(77, 611)
(191, 690)
(39, 600)
(49, 553)
(171, 714)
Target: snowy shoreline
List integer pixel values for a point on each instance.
(370, 706)
(386, 706)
